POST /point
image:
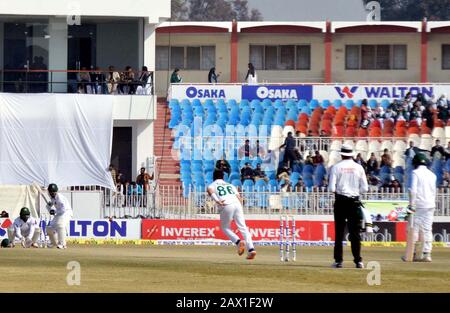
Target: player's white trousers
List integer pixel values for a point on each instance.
(57, 229)
(34, 238)
(227, 215)
(423, 222)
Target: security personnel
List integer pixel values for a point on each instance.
(347, 180)
(422, 201)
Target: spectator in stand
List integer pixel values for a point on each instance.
(144, 78)
(372, 165)
(390, 114)
(113, 80)
(299, 186)
(143, 179)
(427, 114)
(260, 174)
(212, 76)
(443, 113)
(258, 150)
(113, 171)
(84, 79)
(289, 145)
(98, 81)
(412, 150)
(175, 78)
(386, 159)
(224, 166)
(364, 108)
(393, 185)
(286, 186)
(251, 76)
(134, 189)
(127, 81)
(445, 180)
(374, 183)
(438, 151)
(442, 101)
(361, 162)
(309, 158)
(284, 172)
(247, 172)
(447, 151)
(365, 121)
(317, 159)
(245, 150)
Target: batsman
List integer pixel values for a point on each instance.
(60, 208)
(422, 203)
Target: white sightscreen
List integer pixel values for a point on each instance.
(61, 138)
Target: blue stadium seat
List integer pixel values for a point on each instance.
(273, 185)
(248, 185)
(234, 176)
(349, 104)
(337, 103)
(236, 183)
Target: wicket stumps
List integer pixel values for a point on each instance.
(287, 238)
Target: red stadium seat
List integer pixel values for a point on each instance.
(290, 123)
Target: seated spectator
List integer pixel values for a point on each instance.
(175, 77)
(247, 172)
(317, 159)
(393, 185)
(309, 159)
(447, 151)
(390, 114)
(372, 165)
(144, 78)
(135, 189)
(258, 174)
(360, 161)
(324, 134)
(223, 165)
(386, 159)
(284, 172)
(438, 152)
(98, 81)
(286, 186)
(257, 150)
(445, 180)
(300, 186)
(245, 150)
(374, 183)
(126, 85)
(84, 79)
(365, 121)
(112, 79)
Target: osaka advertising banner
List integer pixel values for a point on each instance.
(277, 92)
(376, 91)
(203, 92)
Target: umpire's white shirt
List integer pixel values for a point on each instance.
(347, 178)
(423, 188)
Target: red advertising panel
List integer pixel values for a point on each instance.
(261, 230)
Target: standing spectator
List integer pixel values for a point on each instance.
(224, 166)
(347, 181)
(289, 145)
(386, 159)
(437, 150)
(84, 79)
(284, 172)
(143, 179)
(145, 78)
(258, 150)
(361, 162)
(364, 109)
(299, 186)
(113, 171)
(317, 159)
(175, 77)
(245, 150)
(247, 172)
(251, 77)
(372, 165)
(412, 151)
(113, 80)
(98, 81)
(258, 174)
(428, 116)
(447, 151)
(212, 76)
(127, 80)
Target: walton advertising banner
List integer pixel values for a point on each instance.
(129, 229)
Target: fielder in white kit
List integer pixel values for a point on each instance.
(422, 201)
(26, 229)
(60, 207)
(229, 201)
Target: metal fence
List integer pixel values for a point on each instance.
(168, 202)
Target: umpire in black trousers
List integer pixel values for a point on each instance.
(347, 180)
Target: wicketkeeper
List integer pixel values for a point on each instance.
(422, 202)
(60, 208)
(26, 229)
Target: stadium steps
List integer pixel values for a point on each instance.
(167, 167)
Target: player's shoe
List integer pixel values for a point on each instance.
(34, 245)
(49, 245)
(251, 255)
(11, 245)
(426, 258)
(60, 247)
(359, 265)
(241, 247)
(336, 265)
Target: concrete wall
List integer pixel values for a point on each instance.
(223, 60)
(435, 72)
(411, 74)
(118, 45)
(315, 74)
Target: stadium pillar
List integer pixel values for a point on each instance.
(424, 53)
(57, 54)
(147, 45)
(328, 52)
(234, 53)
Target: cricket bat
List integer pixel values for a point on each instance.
(410, 239)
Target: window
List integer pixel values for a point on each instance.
(188, 58)
(375, 57)
(162, 58)
(286, 57)
(446, 57)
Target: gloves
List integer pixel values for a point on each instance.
(410, 210)
(49, 203)
(52, 212)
